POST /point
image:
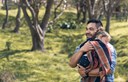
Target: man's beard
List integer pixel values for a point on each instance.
(88, 35)
(91, 36)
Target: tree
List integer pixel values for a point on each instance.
(62, 5)
(94, 8)
(16, 29)
(37, 30)
(124, 10)
(81, 7)
(6, 18)
(109, 6)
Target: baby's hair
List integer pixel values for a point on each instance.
(103, 34)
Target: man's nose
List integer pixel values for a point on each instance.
(87, 31)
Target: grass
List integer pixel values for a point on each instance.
(119, 39)
(52, 65)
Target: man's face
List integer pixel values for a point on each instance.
(91, 29)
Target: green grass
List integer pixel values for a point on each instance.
(49, 66)
(52, 64)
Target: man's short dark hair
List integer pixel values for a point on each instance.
(98, 22)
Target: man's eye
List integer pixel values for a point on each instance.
(91, 29)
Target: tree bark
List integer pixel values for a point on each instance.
(16, 29)
(55, 10)
(37, 38)
(111, 5)
(46, 15)
(78, 10)
(6, 18)
(57, 15)
(81, 7)
(107, 27)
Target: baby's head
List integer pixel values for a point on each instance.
(103, 36)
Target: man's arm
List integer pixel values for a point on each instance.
(82, 71)
(75, 58)
(94, 72)
(114, 56)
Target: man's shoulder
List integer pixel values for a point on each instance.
(110, 78)
(110, 46)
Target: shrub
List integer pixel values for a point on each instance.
(68, 25)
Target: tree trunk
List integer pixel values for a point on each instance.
(36, 33)
(55, 10)
(6, 18)
(16, 29)
(84, 15)
(107, 27)
(37, 30)
(37, 38)
(46, 15)
(57, 15)
(81, 7)
(78, 11)
(90, 5)
(108, 11)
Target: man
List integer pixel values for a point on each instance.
(92, 27)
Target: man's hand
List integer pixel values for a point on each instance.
(87, 47)
(81, 70)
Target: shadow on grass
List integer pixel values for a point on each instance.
(11, 20)
(121, 44)
(6, 53)
(121, 70)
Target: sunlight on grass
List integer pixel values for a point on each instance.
(120, 79)
(119, 28)
(52, 64)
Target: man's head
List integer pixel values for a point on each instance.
(93, 26)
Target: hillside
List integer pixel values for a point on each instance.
(52, 65)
